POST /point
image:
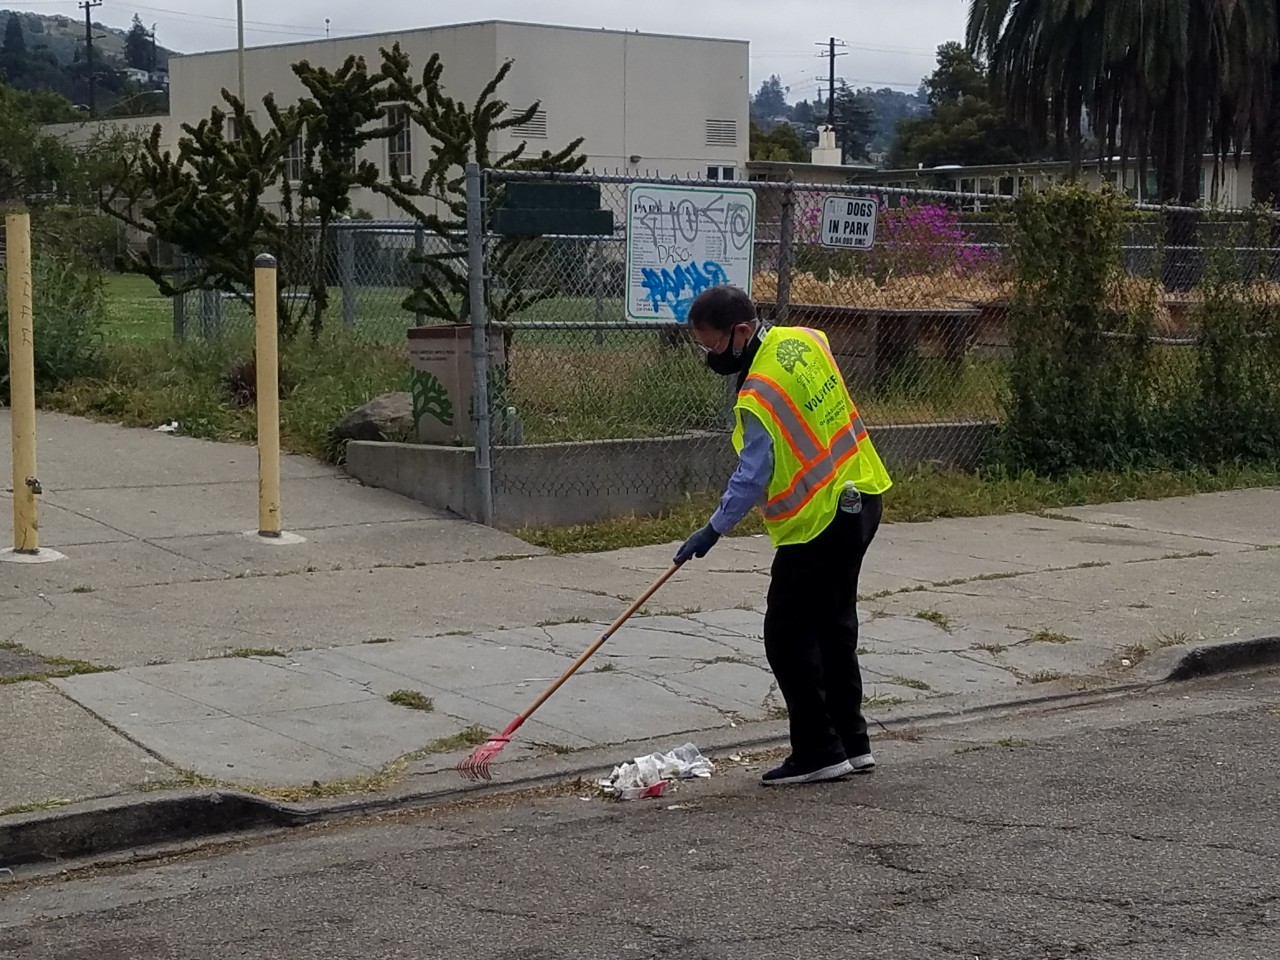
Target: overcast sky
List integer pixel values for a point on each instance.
(890, 42)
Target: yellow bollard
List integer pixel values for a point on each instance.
(267, 361)
(22, 384)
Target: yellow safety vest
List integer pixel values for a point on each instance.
(795, 389)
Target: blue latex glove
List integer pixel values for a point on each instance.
(698, 544)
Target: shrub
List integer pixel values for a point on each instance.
(911, 240)
(1088, 388)
(1082, 380)
(924, 240)
(68, 313)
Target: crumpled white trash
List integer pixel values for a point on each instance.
(649, 776)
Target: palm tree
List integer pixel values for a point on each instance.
(1159, 79)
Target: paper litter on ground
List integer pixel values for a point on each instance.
(649, 776)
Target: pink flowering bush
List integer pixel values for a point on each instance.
(911, 240)
(923, 239)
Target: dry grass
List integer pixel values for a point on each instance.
(1173, 314)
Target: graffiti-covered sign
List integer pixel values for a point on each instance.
(682, 240)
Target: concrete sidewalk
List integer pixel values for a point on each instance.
(233, 661)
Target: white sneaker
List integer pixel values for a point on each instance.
(863, 764)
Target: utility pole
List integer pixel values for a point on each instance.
(87, 6)
(830, 54)
(153, 48)
(240, 47)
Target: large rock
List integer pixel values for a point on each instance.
(388, 417)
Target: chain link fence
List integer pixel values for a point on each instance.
(371, 270)
(599, 395)
(600, 364)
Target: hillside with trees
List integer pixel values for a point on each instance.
(46, 55)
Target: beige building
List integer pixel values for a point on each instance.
(1232, 187)
(647, 104)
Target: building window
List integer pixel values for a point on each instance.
(722, 133)
(534, 129)
(400, 145)
(721, 173)
(293, 162)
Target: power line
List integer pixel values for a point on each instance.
(289, 29)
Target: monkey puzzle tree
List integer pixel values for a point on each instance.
(216, 199)
(208, 201)
(462, 134)
(334, 125)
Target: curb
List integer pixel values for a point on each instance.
(106, 826)
(113, 826)
(1210, 659)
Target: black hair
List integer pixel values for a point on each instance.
(721, 308)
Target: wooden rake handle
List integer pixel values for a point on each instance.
(587, 654)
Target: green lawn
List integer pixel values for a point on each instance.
(136, 312)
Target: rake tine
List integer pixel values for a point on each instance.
(477, 765)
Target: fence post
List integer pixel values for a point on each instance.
(347, 271)
(210, 304)
(786, 243)
(419, 249)
(479, 342)
(22, 394)
(180, 300)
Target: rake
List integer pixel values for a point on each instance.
(476, 766)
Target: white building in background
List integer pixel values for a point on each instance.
(647, 104)
(1231, 188)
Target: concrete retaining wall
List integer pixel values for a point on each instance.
(558, 484)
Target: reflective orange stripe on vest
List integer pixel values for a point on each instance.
(819, 465)
(800, 438)
(814, 476)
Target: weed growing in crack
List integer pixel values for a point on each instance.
(935, 617)
(1049, 636)
(911, 682)
(880, 700)
(995, 648)
(606, 668)
(1046, 676)
(253, 652)
(412, 699)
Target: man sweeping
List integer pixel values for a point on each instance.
(805, 459)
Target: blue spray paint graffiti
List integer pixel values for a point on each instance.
(677, 288)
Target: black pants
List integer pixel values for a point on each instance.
(811, 635)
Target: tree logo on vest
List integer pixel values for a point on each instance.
(791, 352)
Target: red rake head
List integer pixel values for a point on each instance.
(476, 766)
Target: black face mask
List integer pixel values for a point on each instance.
(730, 361)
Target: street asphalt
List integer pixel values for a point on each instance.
(1142, 828)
